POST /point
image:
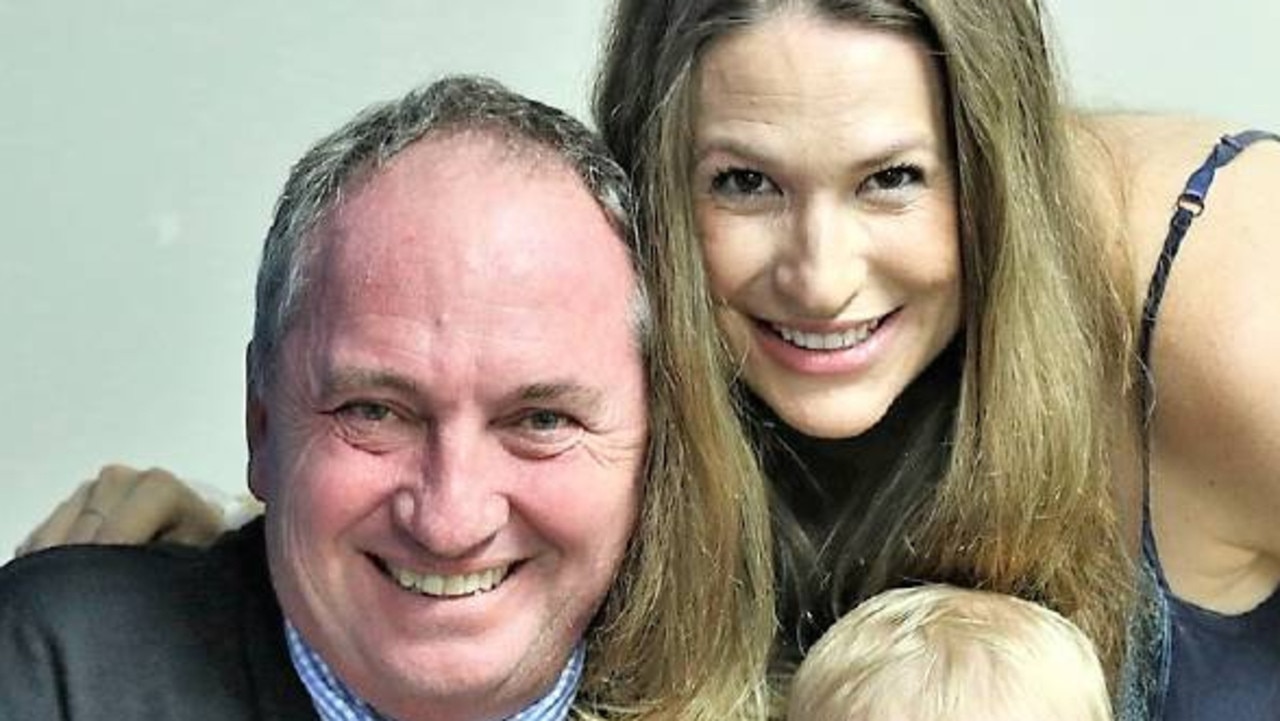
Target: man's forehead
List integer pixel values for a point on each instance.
(451, 254)
(465, 197)
(459, 155)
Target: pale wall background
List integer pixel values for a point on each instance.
(142, 143)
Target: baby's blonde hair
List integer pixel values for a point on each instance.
(937, 652)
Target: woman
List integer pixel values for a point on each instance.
(834, 159)
(840, 179)
(930, 274)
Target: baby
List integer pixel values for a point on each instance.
(934, 653)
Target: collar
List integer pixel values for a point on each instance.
(335, 702)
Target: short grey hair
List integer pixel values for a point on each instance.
(454, 104)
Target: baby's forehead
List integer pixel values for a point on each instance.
(976, 704)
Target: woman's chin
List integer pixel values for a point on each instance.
(825, 415)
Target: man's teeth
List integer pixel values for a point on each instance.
(450, 586)
(828, 341)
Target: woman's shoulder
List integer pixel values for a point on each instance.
(1156, 147)
(1150, 158)
(1216, 457)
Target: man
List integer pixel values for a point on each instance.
(448, 425)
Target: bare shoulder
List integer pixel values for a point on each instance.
(1216, 452)
(1227, 248)
(1154, 155)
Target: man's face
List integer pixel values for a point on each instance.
(451, 450)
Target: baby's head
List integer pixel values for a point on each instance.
(930, 653)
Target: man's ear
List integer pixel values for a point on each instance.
(255, 431)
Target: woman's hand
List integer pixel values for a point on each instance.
(124, 505)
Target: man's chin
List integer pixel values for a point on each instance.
(480, 679)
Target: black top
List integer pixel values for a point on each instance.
(840, 505)
(114, 633)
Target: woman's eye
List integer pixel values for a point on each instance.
(897, 177)
(741, 181)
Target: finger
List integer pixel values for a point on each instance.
(106, 495)
(114, 486)
(56, 529)
(159, 506)
(199, 529)
(229, 514)
(84, 527)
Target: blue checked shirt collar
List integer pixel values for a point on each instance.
(335, 702)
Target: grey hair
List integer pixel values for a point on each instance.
(454, 104)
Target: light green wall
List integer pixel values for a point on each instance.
(1218, 58)
(142, 143)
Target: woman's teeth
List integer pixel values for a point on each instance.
(430, 584)
(828, 341)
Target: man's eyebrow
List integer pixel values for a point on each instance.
(574, 393)
(352, 379)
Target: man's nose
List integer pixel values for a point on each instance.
(823, 266)
(455, 506)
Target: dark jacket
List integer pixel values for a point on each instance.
(106, 633)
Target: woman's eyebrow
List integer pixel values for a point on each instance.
(758, 152)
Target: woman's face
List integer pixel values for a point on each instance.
(825, 200)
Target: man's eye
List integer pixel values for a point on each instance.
(373, 426)
(897, 177)
(364, 412)
(545, 421)
(741, 181)
(549, 425)
(542, 433)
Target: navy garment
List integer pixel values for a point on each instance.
(1209, 666)
(1223, 667)
(155, 633)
